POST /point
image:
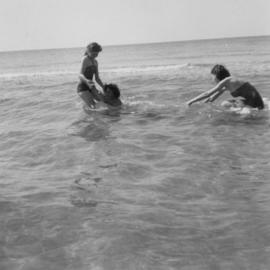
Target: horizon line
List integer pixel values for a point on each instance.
(131, 44)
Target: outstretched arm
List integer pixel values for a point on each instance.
(215, 96)
(216, 91)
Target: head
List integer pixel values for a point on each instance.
(111, 92)
(93, 49)
(220, 73)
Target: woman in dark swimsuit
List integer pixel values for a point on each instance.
(89, 70)
(237, 88)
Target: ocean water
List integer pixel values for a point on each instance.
(155, 185)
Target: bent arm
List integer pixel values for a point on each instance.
(217, 90)
(86, 81)
(99, 82)
(97, 78)
(98, 95)
(94, 92)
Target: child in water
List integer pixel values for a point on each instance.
(110, 95)
(237, 88)
(89, 71)
(86, 89)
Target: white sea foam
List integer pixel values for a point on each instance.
(140, 69)
(126, 70)
(10, 76)
(266, 102)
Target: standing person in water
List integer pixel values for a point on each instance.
(89, 71)
(237, 88)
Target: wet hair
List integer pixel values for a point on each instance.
(114, 88)
(220, 72)
(93, 47)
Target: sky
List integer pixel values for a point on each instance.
(42, 24)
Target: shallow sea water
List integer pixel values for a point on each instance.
(155, 185)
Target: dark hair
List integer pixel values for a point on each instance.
(93, 47)
(114, 88)
(220, 72)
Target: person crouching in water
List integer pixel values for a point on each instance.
(110, 95)
(237, 88)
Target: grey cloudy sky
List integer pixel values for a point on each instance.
(38, 24)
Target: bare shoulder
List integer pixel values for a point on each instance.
(236, 82)
(225, 83)
(85, 60)
(228, 79)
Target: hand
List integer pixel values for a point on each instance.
(189, 103)
(90, 84)
(210, 99)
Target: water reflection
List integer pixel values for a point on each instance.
(95, 126)
(91, 129)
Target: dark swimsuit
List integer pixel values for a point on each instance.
(89, 74)
(251, 96)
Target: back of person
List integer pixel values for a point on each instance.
(251, 96)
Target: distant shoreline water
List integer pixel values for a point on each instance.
(136, 44)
